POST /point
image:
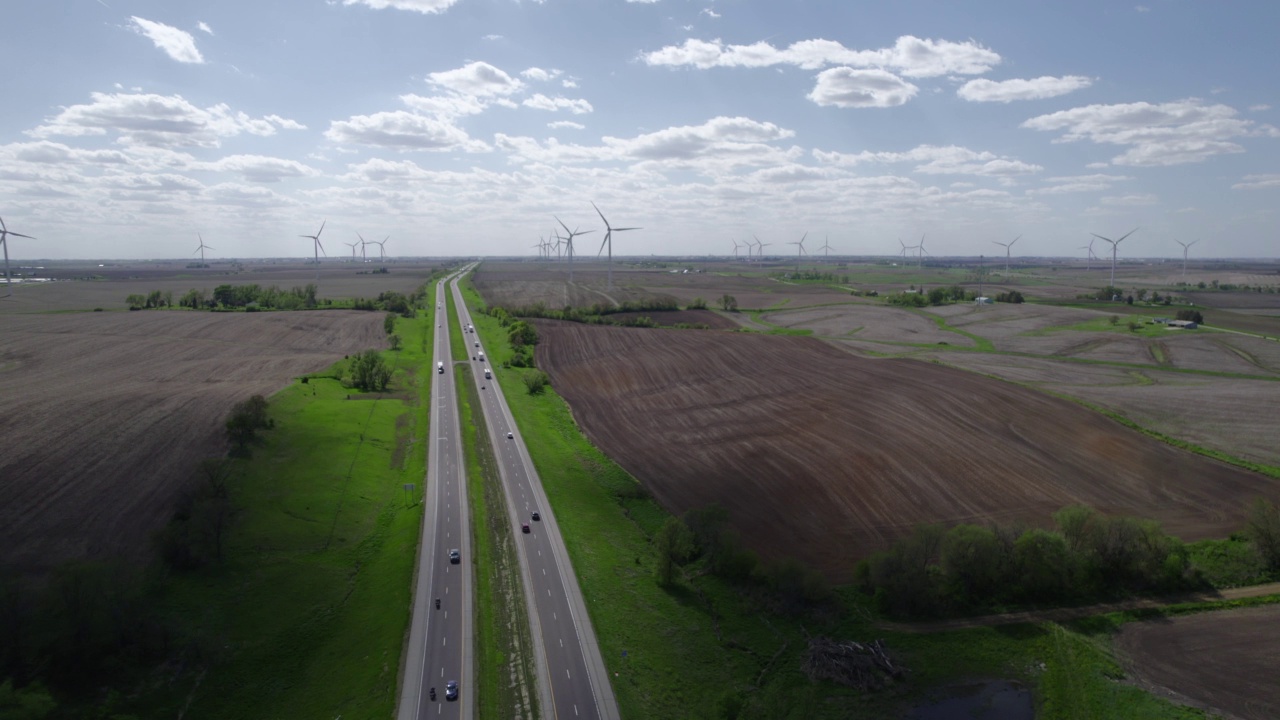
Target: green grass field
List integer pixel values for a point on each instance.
(307, 616)
(705, 647)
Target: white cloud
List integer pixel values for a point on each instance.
(982, 90)
(1078, 183)
(1141, 8)
(177, 44)
(569, 83)
(444, 106)
(159, 120)
(1259, 108)
(403, 131)
(260, 168)
(644, 2)
(1258, 182)
(426, 7)
(491, 36)
(542, 102)
(936, 160)
(1129, 200)
(910, 56)
(1172, 133)
(204, 27)
(710, 13)
(566, 124)
(537, 73)
(846, 87)
(478, 79)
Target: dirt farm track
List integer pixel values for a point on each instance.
(104, 415)
(820, 454)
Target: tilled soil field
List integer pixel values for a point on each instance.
(1234, 415)
(822, 455)
(710, 318)
(105, 415)
(867, 322)
(515, 285)
(1227, 661)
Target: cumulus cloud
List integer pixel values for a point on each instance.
(260, 168)
(937, 160)
(910, 56)
(537, 73)
(569, 124)
(1078, 183)
(542, 102)
(1258, 182)
(177, 44)
(849, 88)
(1172, 133)
(710, 13)
(982, 90)
(1129, 200)
(477, 79)
(204, 27)
(426, 7)
(402, 130)
(159, 120)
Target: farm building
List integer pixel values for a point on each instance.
(1183, 324)
(982, 301)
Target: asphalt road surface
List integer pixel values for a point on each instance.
(572, 679)
(440, 639)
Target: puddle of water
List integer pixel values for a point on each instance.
(997, 700)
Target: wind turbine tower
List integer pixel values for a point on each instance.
(353, 249)
(1008, 249)
(921, 252)
(1089, 255)
(1185, 248)
(799, 251)
(1114, 245)
(201, 248)
(4, 242)
(609, 230)
(569, 243)
(316, 240)
(826, 248)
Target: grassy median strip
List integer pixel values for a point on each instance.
(504, 659)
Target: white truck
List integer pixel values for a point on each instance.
(440, 368)
(488, 374)
(481, 356)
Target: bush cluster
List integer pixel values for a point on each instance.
(1013, 296)
(968, 568)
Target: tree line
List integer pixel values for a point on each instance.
(1087, 557)
(255, 297)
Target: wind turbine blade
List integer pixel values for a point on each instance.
(322, 222)
(622, 229)
(206, 247)
(566, 227)
(606, 222)
(1127, 235)
(604, 242)
(1103, 238)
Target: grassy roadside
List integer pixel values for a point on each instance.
(307, 615)
(705, 648)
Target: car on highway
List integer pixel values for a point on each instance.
(455, 556)
(524, 527)
(511, 436)
(536, 516)
(451, 690)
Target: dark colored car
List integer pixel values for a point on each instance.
(451, 690)
(524, 527)
(455, 556)
(536, 516)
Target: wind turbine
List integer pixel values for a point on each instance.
(541, 245)
(760, 252)
(316, 239)
(4, 238)
(569, 243)
(1114, 245)
(736, 247)
(1088, 256)
(1185, 248)
(799, 250)
(1008, 248)
(826, 248)
(608, 240)
(363, 242)
(759, 248)
(382, 247)
(353, 249)
(905, 248)
(199, 249)
(921, 252)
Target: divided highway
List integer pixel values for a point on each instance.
(439, 648)
(572, 679)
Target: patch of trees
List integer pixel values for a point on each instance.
(536, 382)
(728, 303)
(244, 422)
(569, 312)
(197, 533)
(153, 299)
(703, 542)
(369, 372)
(923, 298)
(1192, 315)
(697, 304)
(812, 275)
(1106, 294)
(1013, 296)
(968, 568)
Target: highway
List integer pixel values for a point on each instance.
(439, 648)
(572, 679)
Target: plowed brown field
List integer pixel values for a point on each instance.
(826, 456)
(105, 415)
(1227, 661)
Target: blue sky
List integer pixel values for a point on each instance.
(459, 127)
